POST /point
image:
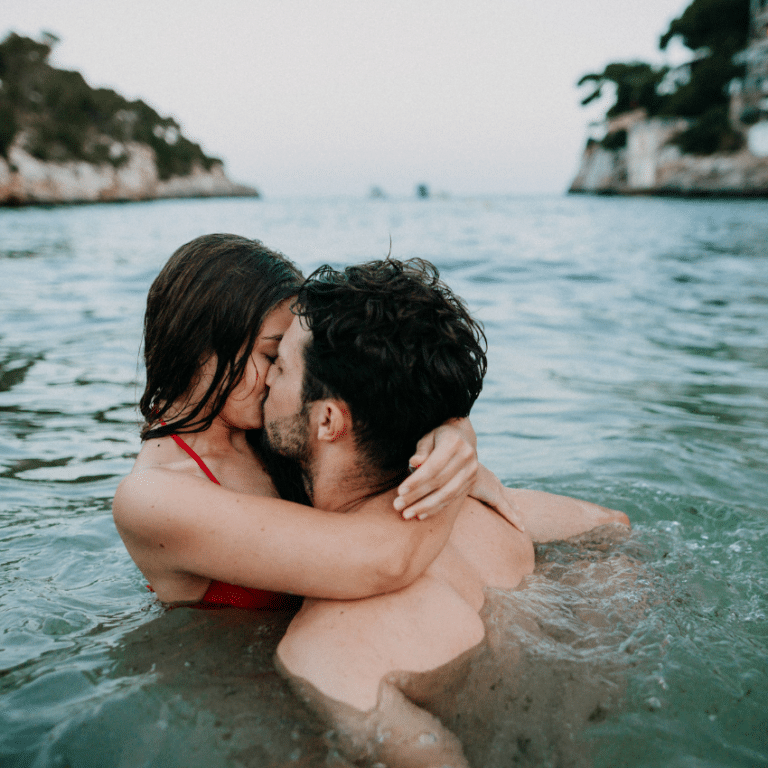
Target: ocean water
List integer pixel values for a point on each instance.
(628, 365)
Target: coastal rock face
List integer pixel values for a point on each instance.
(649, 164)
(26, 180)
(601, 170)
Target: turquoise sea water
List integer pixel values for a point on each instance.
(628, 365)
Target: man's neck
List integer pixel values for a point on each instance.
(341, 484)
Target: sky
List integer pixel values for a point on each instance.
(333, 97)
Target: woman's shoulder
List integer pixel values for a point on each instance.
(155, 498)
(165, 453)
(146, 490)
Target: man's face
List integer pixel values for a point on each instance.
(286, 418)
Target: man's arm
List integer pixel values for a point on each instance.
(548, 517)
(544, 516)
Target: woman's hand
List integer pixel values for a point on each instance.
(489, 490)
(444, 468)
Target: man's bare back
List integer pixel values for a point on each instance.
(356, 661)
(344, 649)
(350, 393)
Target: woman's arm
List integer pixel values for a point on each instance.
(191, 526)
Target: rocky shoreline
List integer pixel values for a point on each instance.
(649, 165)
(26, 180)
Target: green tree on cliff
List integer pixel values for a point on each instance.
(636, 86)
(57, 116)
(714, 30)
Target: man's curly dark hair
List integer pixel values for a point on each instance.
(392, 341)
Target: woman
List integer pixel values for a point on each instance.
(200, 512)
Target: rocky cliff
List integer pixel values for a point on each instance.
(649, 164)
(26, 180)
(696, 129)
(63, 141)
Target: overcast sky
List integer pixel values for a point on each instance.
(328, 97)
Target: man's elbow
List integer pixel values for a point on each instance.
(612, 527)
(614, 516)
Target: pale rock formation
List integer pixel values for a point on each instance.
(26, 180)
(757, 139)
(649, 164)
(601, 170)
(734, 173)
(648, 150)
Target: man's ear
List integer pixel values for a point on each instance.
(334, 421)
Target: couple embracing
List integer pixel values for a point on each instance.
(260, 385)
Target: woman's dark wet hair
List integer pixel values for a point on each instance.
(211, 298)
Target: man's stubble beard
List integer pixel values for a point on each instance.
(289, 436)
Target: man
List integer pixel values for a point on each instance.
(378, 355)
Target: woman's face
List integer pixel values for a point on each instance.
(243, 408)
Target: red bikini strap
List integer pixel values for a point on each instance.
(200, 463)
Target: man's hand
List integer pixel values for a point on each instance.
(444, 468)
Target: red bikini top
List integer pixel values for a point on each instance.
(222, 595)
